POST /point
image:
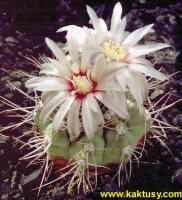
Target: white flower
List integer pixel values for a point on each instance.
(118, 46)
(75, 87)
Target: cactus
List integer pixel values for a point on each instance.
(107, 144)
(94, 111)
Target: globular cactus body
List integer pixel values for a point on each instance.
(106, 145)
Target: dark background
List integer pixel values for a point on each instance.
(24, 25)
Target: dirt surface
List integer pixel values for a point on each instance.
(23, 27)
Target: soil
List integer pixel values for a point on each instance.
(23, 27)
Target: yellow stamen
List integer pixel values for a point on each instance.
(82, 84)
(113, 49)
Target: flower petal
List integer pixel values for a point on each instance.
(93, 17)
(73, 47)
(46, 81)
(92, 102)
(71, 28)
(112, 70)
(57, 123)
(98, 118)
(119, 35)
(98, 24)
(102, 25)
(121, 80)
(144, 85)
(57, 51)
(73, 122)
(82, 35)
(87, 119)
(84, 63)
(110, 103)
(89, 32)
(116, 19)
(143, 61)
(144, 49)
(118, 96)
(135, 36)
(148, 71)
(48, 84)
(48, 68)
(98, 40)
(134, 86)
(33, 82)
(98, 70)
(51, 105)
(53, 86)
(109, 86)
(94, 56)
(75, 68)
(47, 96)
(61, 67)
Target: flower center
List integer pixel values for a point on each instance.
(113, 49)
(82, 84)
